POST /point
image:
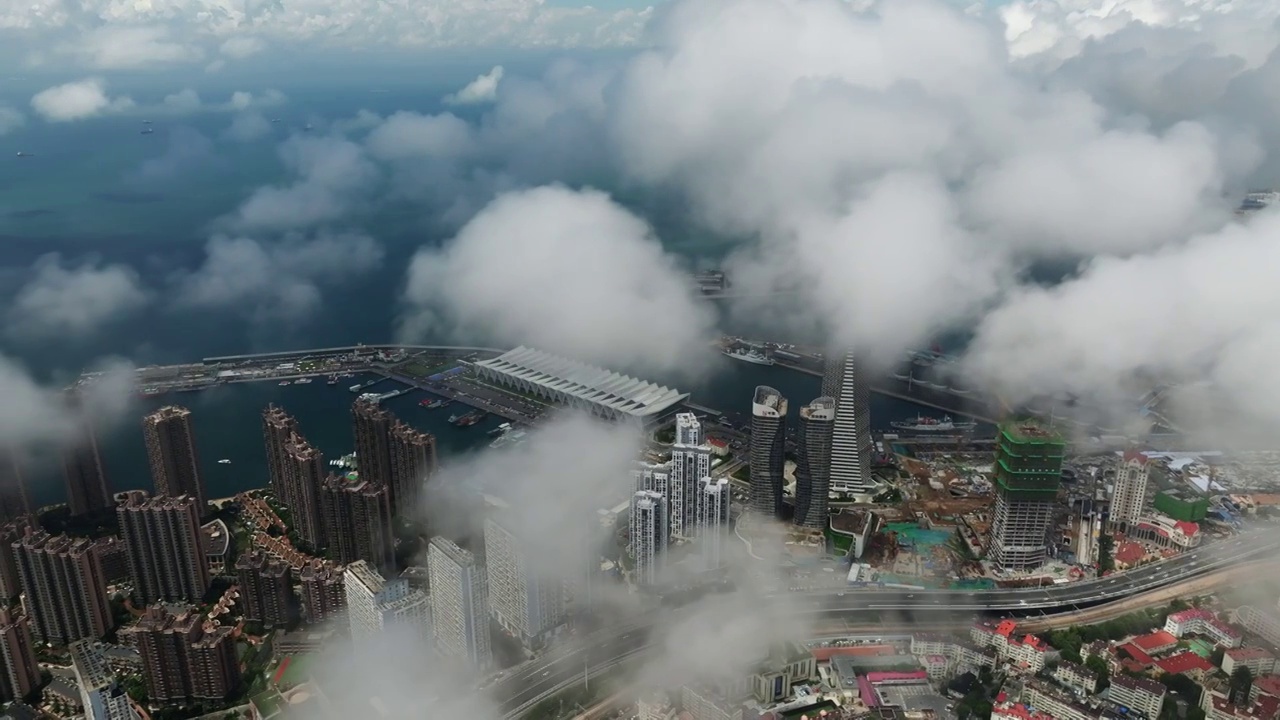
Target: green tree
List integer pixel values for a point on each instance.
(1099, 668)
(1194, 713)
(1106, 554)
(1241, 681)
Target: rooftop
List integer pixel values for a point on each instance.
(1153, 642)
(1030, 431)
(1141, 684)
(1184, 662)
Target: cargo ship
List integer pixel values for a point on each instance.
(923, 423)
(432, 403)
(755, 357)
(468, 419)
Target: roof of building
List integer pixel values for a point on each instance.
(622, 393)
(1184, 662)
(1129, 553)
(823, 654)
(1019, 711)
(1152, 642)
(1136, 683)
(1136, 456)
(1269, 684)
(1138, 654)
(1243, 654)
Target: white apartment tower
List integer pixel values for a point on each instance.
(649, 533)
(851, 443)
(690, 462)
(1130, 494)
(101, 695)
(523, 603)
(713, 519)
(459, 604)
(653, 476)
(375, 603)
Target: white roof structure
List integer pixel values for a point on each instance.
(602, 392)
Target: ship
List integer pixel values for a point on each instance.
(755, 357)
(284, 382)
(24, 154)
(302, 381)
(500, 429)
(224, 461)
(468, 419)
(514, 437)
(923, 423)
(333, 380)
(146, 131)
(431, 403)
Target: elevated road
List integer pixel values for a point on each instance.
(838, 611)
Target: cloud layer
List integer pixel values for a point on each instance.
(65, 300)
(77, 101)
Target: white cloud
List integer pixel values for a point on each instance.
(541, 244)
(34, 414)
(278, 280)
(73, 300)
(187, 102)
(481, 90)
(242, 46)
(127, 47)
(410, 135)
(77, 101)
(10, 120)
(333, 176)
(248, 127)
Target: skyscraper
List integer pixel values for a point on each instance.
(162, 539)
(14, 502)
(376, 604)
(652, 476)
(649, 533)
(87, 487)
(10, 533)
(171, 452)
(459, 604)
(851, 445)
(768, 447)
(66, 593)
(690, 462)
(277, 427)
(1028, 473)
(525, 602)
(21, 672)
(323, 594)
(302, 474)
(1129, 498)
(813, 466)
(372, 426)
(413, 462)
(266, 589)
(184, 657)
(102, 697)
(713, 519)
(357, 521)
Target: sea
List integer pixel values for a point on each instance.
(100, 191)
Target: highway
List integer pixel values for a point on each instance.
(529, 684)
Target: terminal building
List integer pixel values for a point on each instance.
(601, 392)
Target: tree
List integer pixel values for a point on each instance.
(1241, 681)
(1106, 554)
(1194, 713)
(1101, 669)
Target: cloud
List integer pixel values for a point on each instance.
(187, 151)
(77, 101)
(248, 127)
(481, 90)
(10, 120)
(410, 135)
(70, 301)
(188, 101)
(35, 415)
(527, 269)
(242, 46)
(333, 176)
(276, 281)
(126, 47)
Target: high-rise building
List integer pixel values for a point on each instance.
(277, 427)
(101, 695)
(323, 594)
(185, 657)
(10, 533)
(649, 533)
(768, 448)
(713, 519)
(652, 476)
(371, 424)
(171, 452)
(162, 539)
(813, 466)
(1129, 498)
(14, 502)
(266, 589)
(357, 521)
(851, 445)
(114, 558)
(376, 604)
(690, 462)
(413, 462)
(1028, 473)
(21, 672)
(525, 602)
(87, 488)
(302, 474)
(66, 592)
(459, 604)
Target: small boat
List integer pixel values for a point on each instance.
(146, 131)
(431, 403)
(24, 154)
(302, 381)
(275, 120)
(446, 402)
(500, 429)
(333, 380)
(146, 122)
(285, 382)
(224, 461)
(455, 418)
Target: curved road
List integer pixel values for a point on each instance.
(541, 678)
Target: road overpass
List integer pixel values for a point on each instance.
(624, 643)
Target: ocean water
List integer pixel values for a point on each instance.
(99, 189)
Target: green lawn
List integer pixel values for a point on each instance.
(298, 672)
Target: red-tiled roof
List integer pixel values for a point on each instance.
(1188, 528)
(1135, 455)
(1192, 614)
(1020, 711)
(1138, 655)
(1184, 662)
(1006, 627)
(1153, 642)
(1130, 553)
(1247, 653)
(1269, 684)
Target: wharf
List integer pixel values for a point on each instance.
(454, 395)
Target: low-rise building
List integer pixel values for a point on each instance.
(1203, 622)
(1028, 652)
(1259, 660)
(961, 656)
(1016, 711)
(1262, 622)
(1156, 642)
(1186, 663)
(1056, 702)
(704, 702)
(788, 664)
(1077, 677)
(1268, 685)
(1217, 706)
(1138, 695)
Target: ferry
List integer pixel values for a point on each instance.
(923, 423)
(500, 429)
(468, 419)
(755, 357)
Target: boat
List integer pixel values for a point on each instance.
(446, 402)
(146, 131)
(224, 461)
(333, 380)
(431, 403)
(514, 437)
(275, 120)
(285, 382)
(923, 423)
(902, 376)
(755, 357)
(146, 122)
(24, 154)
(302, 381)
(471, 418)
(501, 429)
